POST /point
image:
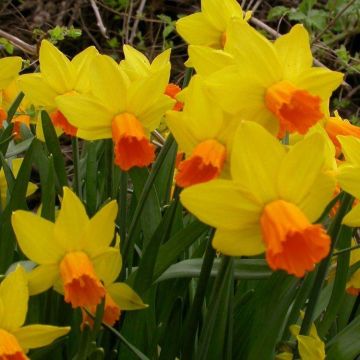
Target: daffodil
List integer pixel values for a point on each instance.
(335, 125)
(209, 27)
(15, 165)
(15, 338)
(272, 83)
(204, 133)
(271, 201)
(349, 175)
(120, 109)
(58, 76)
(9, 69)
(353, 285)
(73, 254)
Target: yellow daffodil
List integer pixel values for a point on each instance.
(272, 83)
(15, 165)
(349, 175)
(9, 69)
(58, 76)
(15, 338)
(209, 27)
(203, 132)
(271, 201)
(73, 253)
(120, 109)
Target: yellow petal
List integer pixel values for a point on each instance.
(297, 174)
(42, 278)
(255, 161)
(203, 116)
(100, 230)
(161, 61)
(152, 116)
(135, 64)
(349, 179)
(352, 218)
(253, 52)
(294, 51)
(195, 29)
(182, 133)
(310, 348)
(71, 222)
(38, 91)
(241, 242)
(88, 114)
(350, 146)
(82, 67)
(109, 83)
(125, 297)
(143, 93)
(56, 68)
(35, 236)
(206, 60)
(107, 265)
(14, 295)
(319, 81)
(318, 196)
(220, 12)
(35, 336)
(238, 92)
(10, 67)
(221, 204)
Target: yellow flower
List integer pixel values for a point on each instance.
(204, 133)
(16, 339)
(272, 83)
(58, 76)
(120, 109)
(353, 285)
(349, 175)
(73, 253)
(271, 201)
(209, 27)
(15, 165)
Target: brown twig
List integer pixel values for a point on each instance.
(18, 43)
(139, 13)
(99, 21)
(332, 22)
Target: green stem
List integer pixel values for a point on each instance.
(123, 204)
(192, 321)
(333, 231)
(145, 193)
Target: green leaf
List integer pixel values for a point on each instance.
(91, 178)
(277, 12)
(53, 146)
(346, 344)
(171, 250)
(212, 338)
(246, 269)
